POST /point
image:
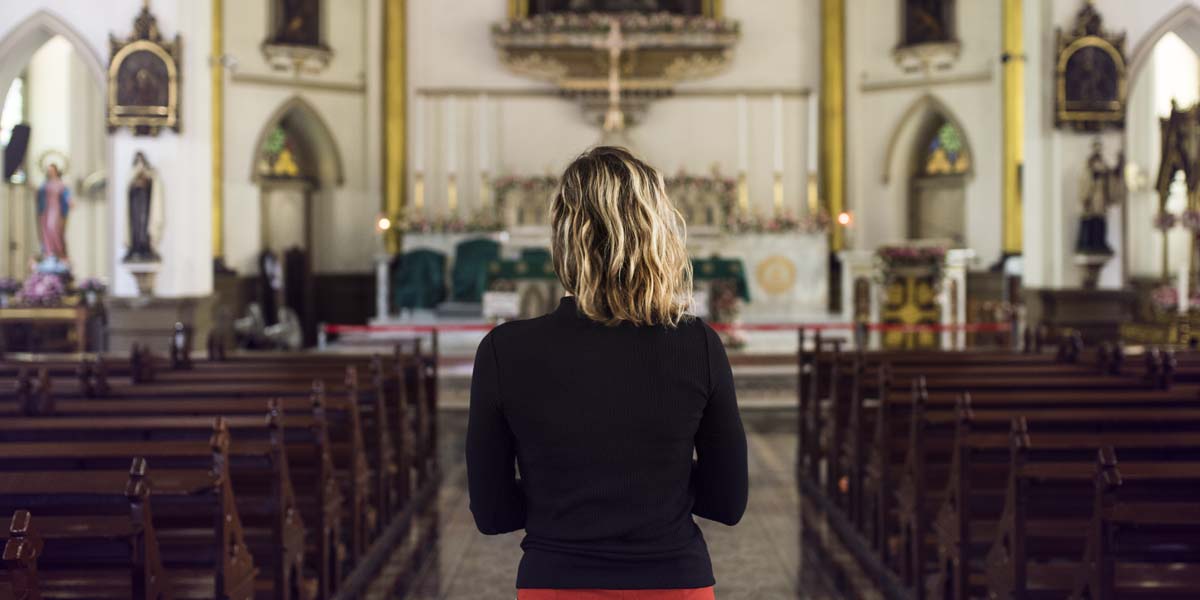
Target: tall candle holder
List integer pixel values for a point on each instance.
(777, 188)
(452, 194)
(743, 194)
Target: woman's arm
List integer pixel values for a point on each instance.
(496, 497)
(720, 476)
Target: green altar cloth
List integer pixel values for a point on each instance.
(419, 279)
(534, 263)
(715, 267)
(470, 277)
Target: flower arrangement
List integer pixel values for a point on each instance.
(9, 286)
(892, 258)
(779, 223)
(42, 289)
(1165, 298)
(1191, 220)
(632, 22)
(93, 285)
(479, 222)
(1164, 221)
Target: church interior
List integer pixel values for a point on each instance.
(248, 250)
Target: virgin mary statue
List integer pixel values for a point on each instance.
(145, 213)
(53, 205)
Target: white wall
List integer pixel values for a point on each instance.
(885, 105)
(1055, 161)
(533, 131)
(344, 213)
(182, 159)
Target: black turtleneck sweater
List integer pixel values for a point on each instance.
(601, 423)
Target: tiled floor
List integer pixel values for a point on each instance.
(759, 559)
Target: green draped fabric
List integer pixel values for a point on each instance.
(715, 267)
(419, 279)
(471, 261)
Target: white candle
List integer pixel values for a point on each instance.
(482, 125)
(451, 135)
(813, 129)
(777, 105)
(418, 157)
(743, 133)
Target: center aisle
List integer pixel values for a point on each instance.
(760, 559)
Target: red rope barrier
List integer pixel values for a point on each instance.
(883, 327)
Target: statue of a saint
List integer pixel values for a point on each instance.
(145, 213)
(1104, 188)
(53, 206)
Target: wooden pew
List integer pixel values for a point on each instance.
(19, 557)
(981, 460)
(308, 471)
(1135, 547)
(1042, 535)
(95, 534)
(193, 491)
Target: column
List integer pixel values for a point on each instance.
(833, 115)
(395, 106)
(217, 66)
(1014, 123)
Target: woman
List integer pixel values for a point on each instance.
(602, 402)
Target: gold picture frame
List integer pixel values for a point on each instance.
(1091, 75)
(143, 79)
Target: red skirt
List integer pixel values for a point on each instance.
(686, 594)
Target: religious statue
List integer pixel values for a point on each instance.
(145, 213)
(53, 206)
(298, 22)
(1103, 189)
(928, 21)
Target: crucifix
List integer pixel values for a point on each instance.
(614, 119)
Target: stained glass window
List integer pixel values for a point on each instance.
(946, 154)
(278, 158)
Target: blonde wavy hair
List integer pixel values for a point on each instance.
(618, 242)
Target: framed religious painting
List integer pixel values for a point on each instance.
(1091, 77)
(143, 79)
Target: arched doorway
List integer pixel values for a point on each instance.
(296, 168)
(1165, 67)
(52, 82)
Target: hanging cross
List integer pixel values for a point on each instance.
(614, 119)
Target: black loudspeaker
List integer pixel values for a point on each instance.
(14, 153)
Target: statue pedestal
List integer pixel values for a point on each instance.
(151, 321)
(145, 274)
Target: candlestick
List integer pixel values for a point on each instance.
(812, 128)
(419, 191)
(743, 193)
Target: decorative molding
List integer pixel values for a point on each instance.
(299, 83)
(885, 85)
(932, 56)
(295, 58)
(680, 92)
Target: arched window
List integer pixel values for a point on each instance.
(280, 156)
(14, 109)
(927, 22)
